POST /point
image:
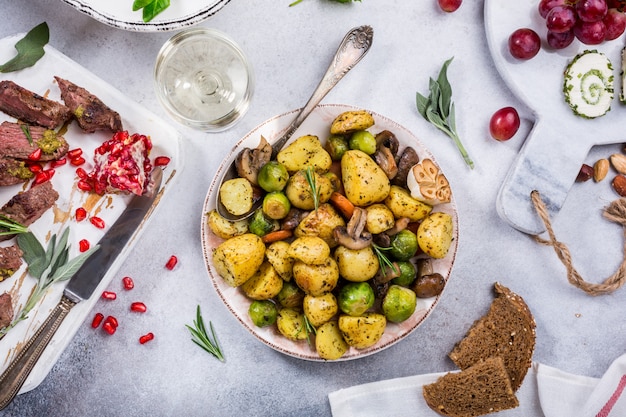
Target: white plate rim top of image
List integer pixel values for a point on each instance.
(559, 141)
(119, 13)
(318, 123)
(166, 141)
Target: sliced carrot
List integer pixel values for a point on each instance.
(277, 235)
(341, 203)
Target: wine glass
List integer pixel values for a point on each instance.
(203, 79)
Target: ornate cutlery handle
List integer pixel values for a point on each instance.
(21, 366)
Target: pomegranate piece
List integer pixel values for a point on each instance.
(83, 245)
(97, 221)
(109, 295)
(58, 162)
(171, 263)
(108, 327)
(138, 307)
(112, 320)
(80, 214)
(160, 161)
(35, 155)
(97, 319)
(128, 283)
(84, 185)
(146, 338)
(79, 160)
(122, 164)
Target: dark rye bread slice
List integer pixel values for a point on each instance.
(480, 389)
(507, 330)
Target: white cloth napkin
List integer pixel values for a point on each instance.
(546, 391)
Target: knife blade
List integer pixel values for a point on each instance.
(80, 287)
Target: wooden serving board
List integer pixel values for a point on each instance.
(556, 147)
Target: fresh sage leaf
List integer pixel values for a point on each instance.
(29, 49)
(68, 270)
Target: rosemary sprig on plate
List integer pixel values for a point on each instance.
(383, 260)
(315, 191)
(202, 338)
(47, 266)
(438, 109)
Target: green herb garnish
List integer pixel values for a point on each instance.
(47, 266)
(11, 227)
(383, 260)
(29, 49)
(438, 109)
(315, 191)
(202, 338)
(309, 329)
(151, 8)
(26, 130)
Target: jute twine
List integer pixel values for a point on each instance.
(615, 212)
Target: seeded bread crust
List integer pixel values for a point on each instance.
(478, 390)
(507, 330)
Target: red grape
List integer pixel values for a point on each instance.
(561, 19)
(590, 33)
(504, 124)
(615, 22)
(560, 40)
(449, 5)
(591, 10)
(524, 43)
(546, 5)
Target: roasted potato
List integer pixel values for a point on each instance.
(379, 218)
(356, 265)
(237, 259)
(237, 196)
(290, 323)
(434, 234)
(364, 182)
(320, 309)
(329, 342)
(300, 194)
(304, 152)
(351, 121)
(402, 204)
(362, 331)
(316, 279)
(224, 228)
(264, 284)
(277, 255)
(311, 250)
(321, 223)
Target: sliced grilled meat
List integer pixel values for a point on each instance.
(13, 171)
(27, 206)
(14, 142)
(6, 310)
(30, 107)
(89, 111)
(10, 261)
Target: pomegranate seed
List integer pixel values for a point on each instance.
(83, 245)
(97, 221)
(97, 319)
(160, 161)
(58, 162)
(43, 176)
(171, 263)
(128, 283)
(35, 168)
(77, 161)
(146, 338)
(112, 320)
(80, 214)
(108, 327)
(109, 295)
(35, 155)
(82, 174)
(138, 307)
(74, 153)
(84, 185)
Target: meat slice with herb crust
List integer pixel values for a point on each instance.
(6, 310)
(14, 142)
(89, 111)
(10, 261)
(13, 171)
(27, 206)
(30, 107)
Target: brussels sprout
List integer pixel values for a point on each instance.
(403, 245)
(363, 141)
(290, 296)
(336, 146)
(356, 298)
(399, 303)
(276, 205)
(263, 313)
(273, 176)
(408, 273)
(261, 225)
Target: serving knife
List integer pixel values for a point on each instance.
(80, 287)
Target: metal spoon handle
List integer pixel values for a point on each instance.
(352, 49)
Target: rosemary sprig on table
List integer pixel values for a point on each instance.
(438, 109)
(315, 191)
(47, 266)
(202, 338)
(11, 227)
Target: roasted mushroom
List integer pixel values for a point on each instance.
(428, 283)
(352, 236)
(386, 150)
(405, 162)
(249, 161)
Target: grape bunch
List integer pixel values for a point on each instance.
(590, 21)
